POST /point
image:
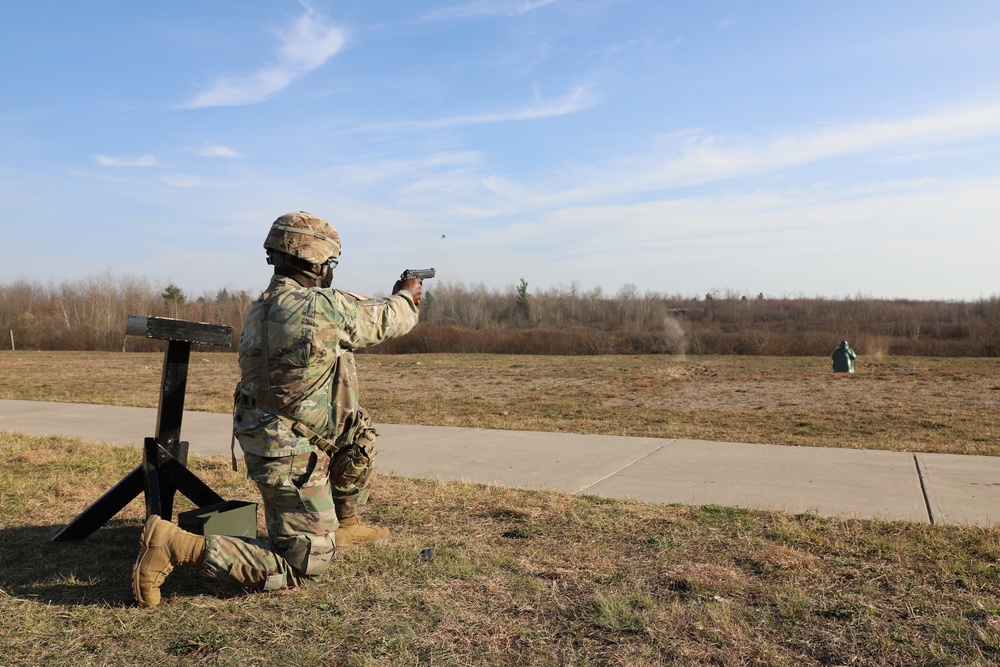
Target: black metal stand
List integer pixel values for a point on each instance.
(163, 470)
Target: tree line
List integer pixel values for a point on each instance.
(90, 314)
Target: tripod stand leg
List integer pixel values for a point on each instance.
(188, 483)
(105, 507)
(159, 475)
(165, 473)
(151, 479)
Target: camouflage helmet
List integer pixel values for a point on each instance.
(304, 236)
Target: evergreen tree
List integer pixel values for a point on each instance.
(523, 300)
(174, 295)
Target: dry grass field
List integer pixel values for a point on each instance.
(517, 578)
(900, 403)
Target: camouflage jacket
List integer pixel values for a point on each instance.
(313, 380)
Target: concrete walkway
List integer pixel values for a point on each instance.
(927, 488)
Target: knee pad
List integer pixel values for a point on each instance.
(308, 555)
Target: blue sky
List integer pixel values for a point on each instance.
(785, 147)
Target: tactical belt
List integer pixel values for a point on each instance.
(299, 429)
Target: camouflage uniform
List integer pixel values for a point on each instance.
(307, 443)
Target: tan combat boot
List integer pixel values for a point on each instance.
(353, 531)
(163, 547)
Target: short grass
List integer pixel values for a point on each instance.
(914, 404)
(512, 578)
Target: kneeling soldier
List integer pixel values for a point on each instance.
(307, 443)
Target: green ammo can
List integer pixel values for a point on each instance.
(232, 517)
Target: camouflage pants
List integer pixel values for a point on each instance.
(304, 496)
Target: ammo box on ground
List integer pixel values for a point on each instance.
(233, 517)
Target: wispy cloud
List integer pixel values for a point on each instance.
(486, 8)
(110, 161)
(218, 151)
(683, 160)
(182, 181)
(525, 7)
(376, 171)
(26, 115)
(578, 99)
(693, 241)
(693, 158)
(304, 46)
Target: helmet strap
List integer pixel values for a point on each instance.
(327, 278)
(287, 265)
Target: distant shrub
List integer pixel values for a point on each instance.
(91, 315)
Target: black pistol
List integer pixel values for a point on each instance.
(417, 273)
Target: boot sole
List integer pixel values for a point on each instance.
(147, 535)
(360, 543)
